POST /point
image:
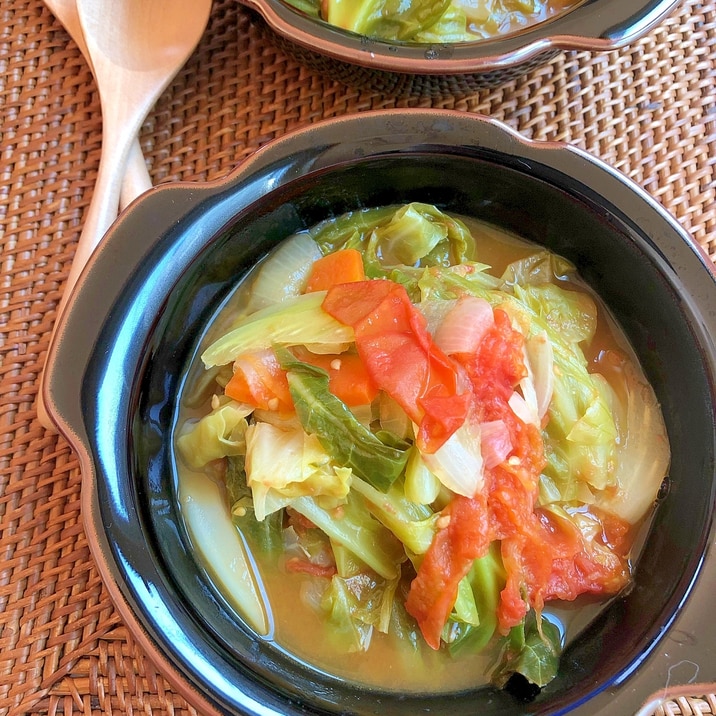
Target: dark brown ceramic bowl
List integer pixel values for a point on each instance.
(592, 25)
(167, 263)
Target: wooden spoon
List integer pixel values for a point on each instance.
(136, 179)
(135, 48)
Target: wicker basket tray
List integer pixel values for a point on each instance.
(648, 110)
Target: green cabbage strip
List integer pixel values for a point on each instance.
(532, 649)
(264, 535)
(344, 438)
(311, 8)
(481, 590)
(350, 230)
(356, 605)
(349, 605)
(415, 234)
(447, 283)
(451, 27)
(295, 321)
(358, 601)
(413, 524)
(353, 526)
(422, 233)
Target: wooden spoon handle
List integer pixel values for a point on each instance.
(136, 176)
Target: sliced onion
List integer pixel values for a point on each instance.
(495, 442)
(204, 508)
(284, 272)
(464, 325)
(458, 463)
(434, 311)
(541, 364)
(523, 410)
(527, 388)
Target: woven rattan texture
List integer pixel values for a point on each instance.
(688, 706)
(648, 110)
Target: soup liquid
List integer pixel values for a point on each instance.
(297, 628)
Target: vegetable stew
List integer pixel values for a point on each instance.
(432, 444)
(432, 21)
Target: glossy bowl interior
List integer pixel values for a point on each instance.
(170, 260)
(592, 25)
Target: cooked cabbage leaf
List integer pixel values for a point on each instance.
(479, 590)
(218, 434)
(413, 524)
(532, 649)
(346, 439)
(294, 321)
(580, 435)
(283, 464)
(451, 27)
(396, 238)
(642, 453)
(264, 535)
(353, 526)
(385, 19)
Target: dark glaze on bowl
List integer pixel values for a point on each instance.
(167, 263)
(591, 25)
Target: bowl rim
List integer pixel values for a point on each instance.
(583, 27)
(62, 395)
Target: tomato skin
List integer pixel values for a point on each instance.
(512, 608)
(506, 503)
(450, 556)
(496, 367)
(352, 304)
(304, 566)
(599, 565)
(393, 341)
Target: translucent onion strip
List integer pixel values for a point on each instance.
(204, 509)
(284, 273)
(495, 442)
(541, 365)
(458, 463)
(464, 325)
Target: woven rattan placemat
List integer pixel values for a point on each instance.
(648, 110)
